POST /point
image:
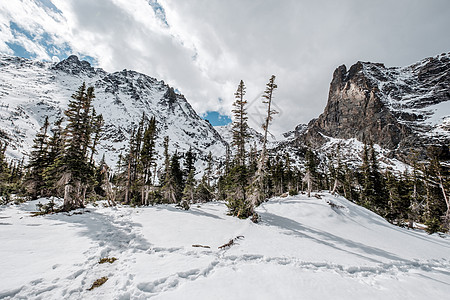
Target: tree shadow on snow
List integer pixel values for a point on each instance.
(106, 230)
(328, 239)
(192, 211)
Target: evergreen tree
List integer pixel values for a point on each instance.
(148, 157)
(5, 172)
(258, 188)
(437, 204)
(55, 158)
(189, 187)
(173, 188)
(76, 173)
(368, 189)
(97, 130)
(165, 173)
(189, 163)
(131, 167)
(240, 126)
(38, 162)
(311, 174)
(209, 170)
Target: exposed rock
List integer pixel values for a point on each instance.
(398, 108)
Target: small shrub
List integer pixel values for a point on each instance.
(45, 209)
(433, 225)
(184, 205)
(98, 283)
(293, 193)
(240, 208)
(107, 260)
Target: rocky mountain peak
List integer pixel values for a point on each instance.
(72, 65)
(399, 108)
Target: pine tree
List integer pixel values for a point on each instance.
(97, 130)
(131, 167)
(76, 173)
(367, 191)
(148, 157)
(437, 213)
(258, 188)
(189, 187)
(55, 158)
(173, 188)
(165, 173)
(38, 162)
(4, 175)
(240, 126)
(311, 174)
(189, 163)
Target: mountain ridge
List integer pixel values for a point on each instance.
(32, 89)
(400, 108)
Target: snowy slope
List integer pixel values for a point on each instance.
(301, 249)
(31, 90)
(255, 138)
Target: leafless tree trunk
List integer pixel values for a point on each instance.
(308, 179)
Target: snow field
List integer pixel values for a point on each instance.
(302, 249)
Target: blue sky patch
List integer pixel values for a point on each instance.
(159, 11)
(216, 119)
(20, 51)
(45, 41)
(50, 5)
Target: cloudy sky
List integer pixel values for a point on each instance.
(205, 47)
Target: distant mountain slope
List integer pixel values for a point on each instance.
(399, 108)
(255, 139)
(31, 90)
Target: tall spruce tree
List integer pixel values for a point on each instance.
(173, 187)
(55, 158)
(38, 163)
(240, 125)
(311, 175)
(148, 157)
(76, 173)
(258, 188)
(4, 175)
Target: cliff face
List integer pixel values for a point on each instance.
(398, 108)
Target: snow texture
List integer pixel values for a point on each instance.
(303, 248)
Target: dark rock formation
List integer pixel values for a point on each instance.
(392, 107)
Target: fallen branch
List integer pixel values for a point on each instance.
(98, 283)
(334, 205)
(231, 242)
(201, 246)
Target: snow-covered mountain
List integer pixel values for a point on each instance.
(303, 248)
(31, 90)
(399, 108)
(255, 138)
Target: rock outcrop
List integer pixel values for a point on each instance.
(398, 108)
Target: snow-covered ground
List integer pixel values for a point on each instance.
(302, 249)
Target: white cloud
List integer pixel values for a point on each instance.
(209, 46)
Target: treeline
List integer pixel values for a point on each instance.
(62, 164)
